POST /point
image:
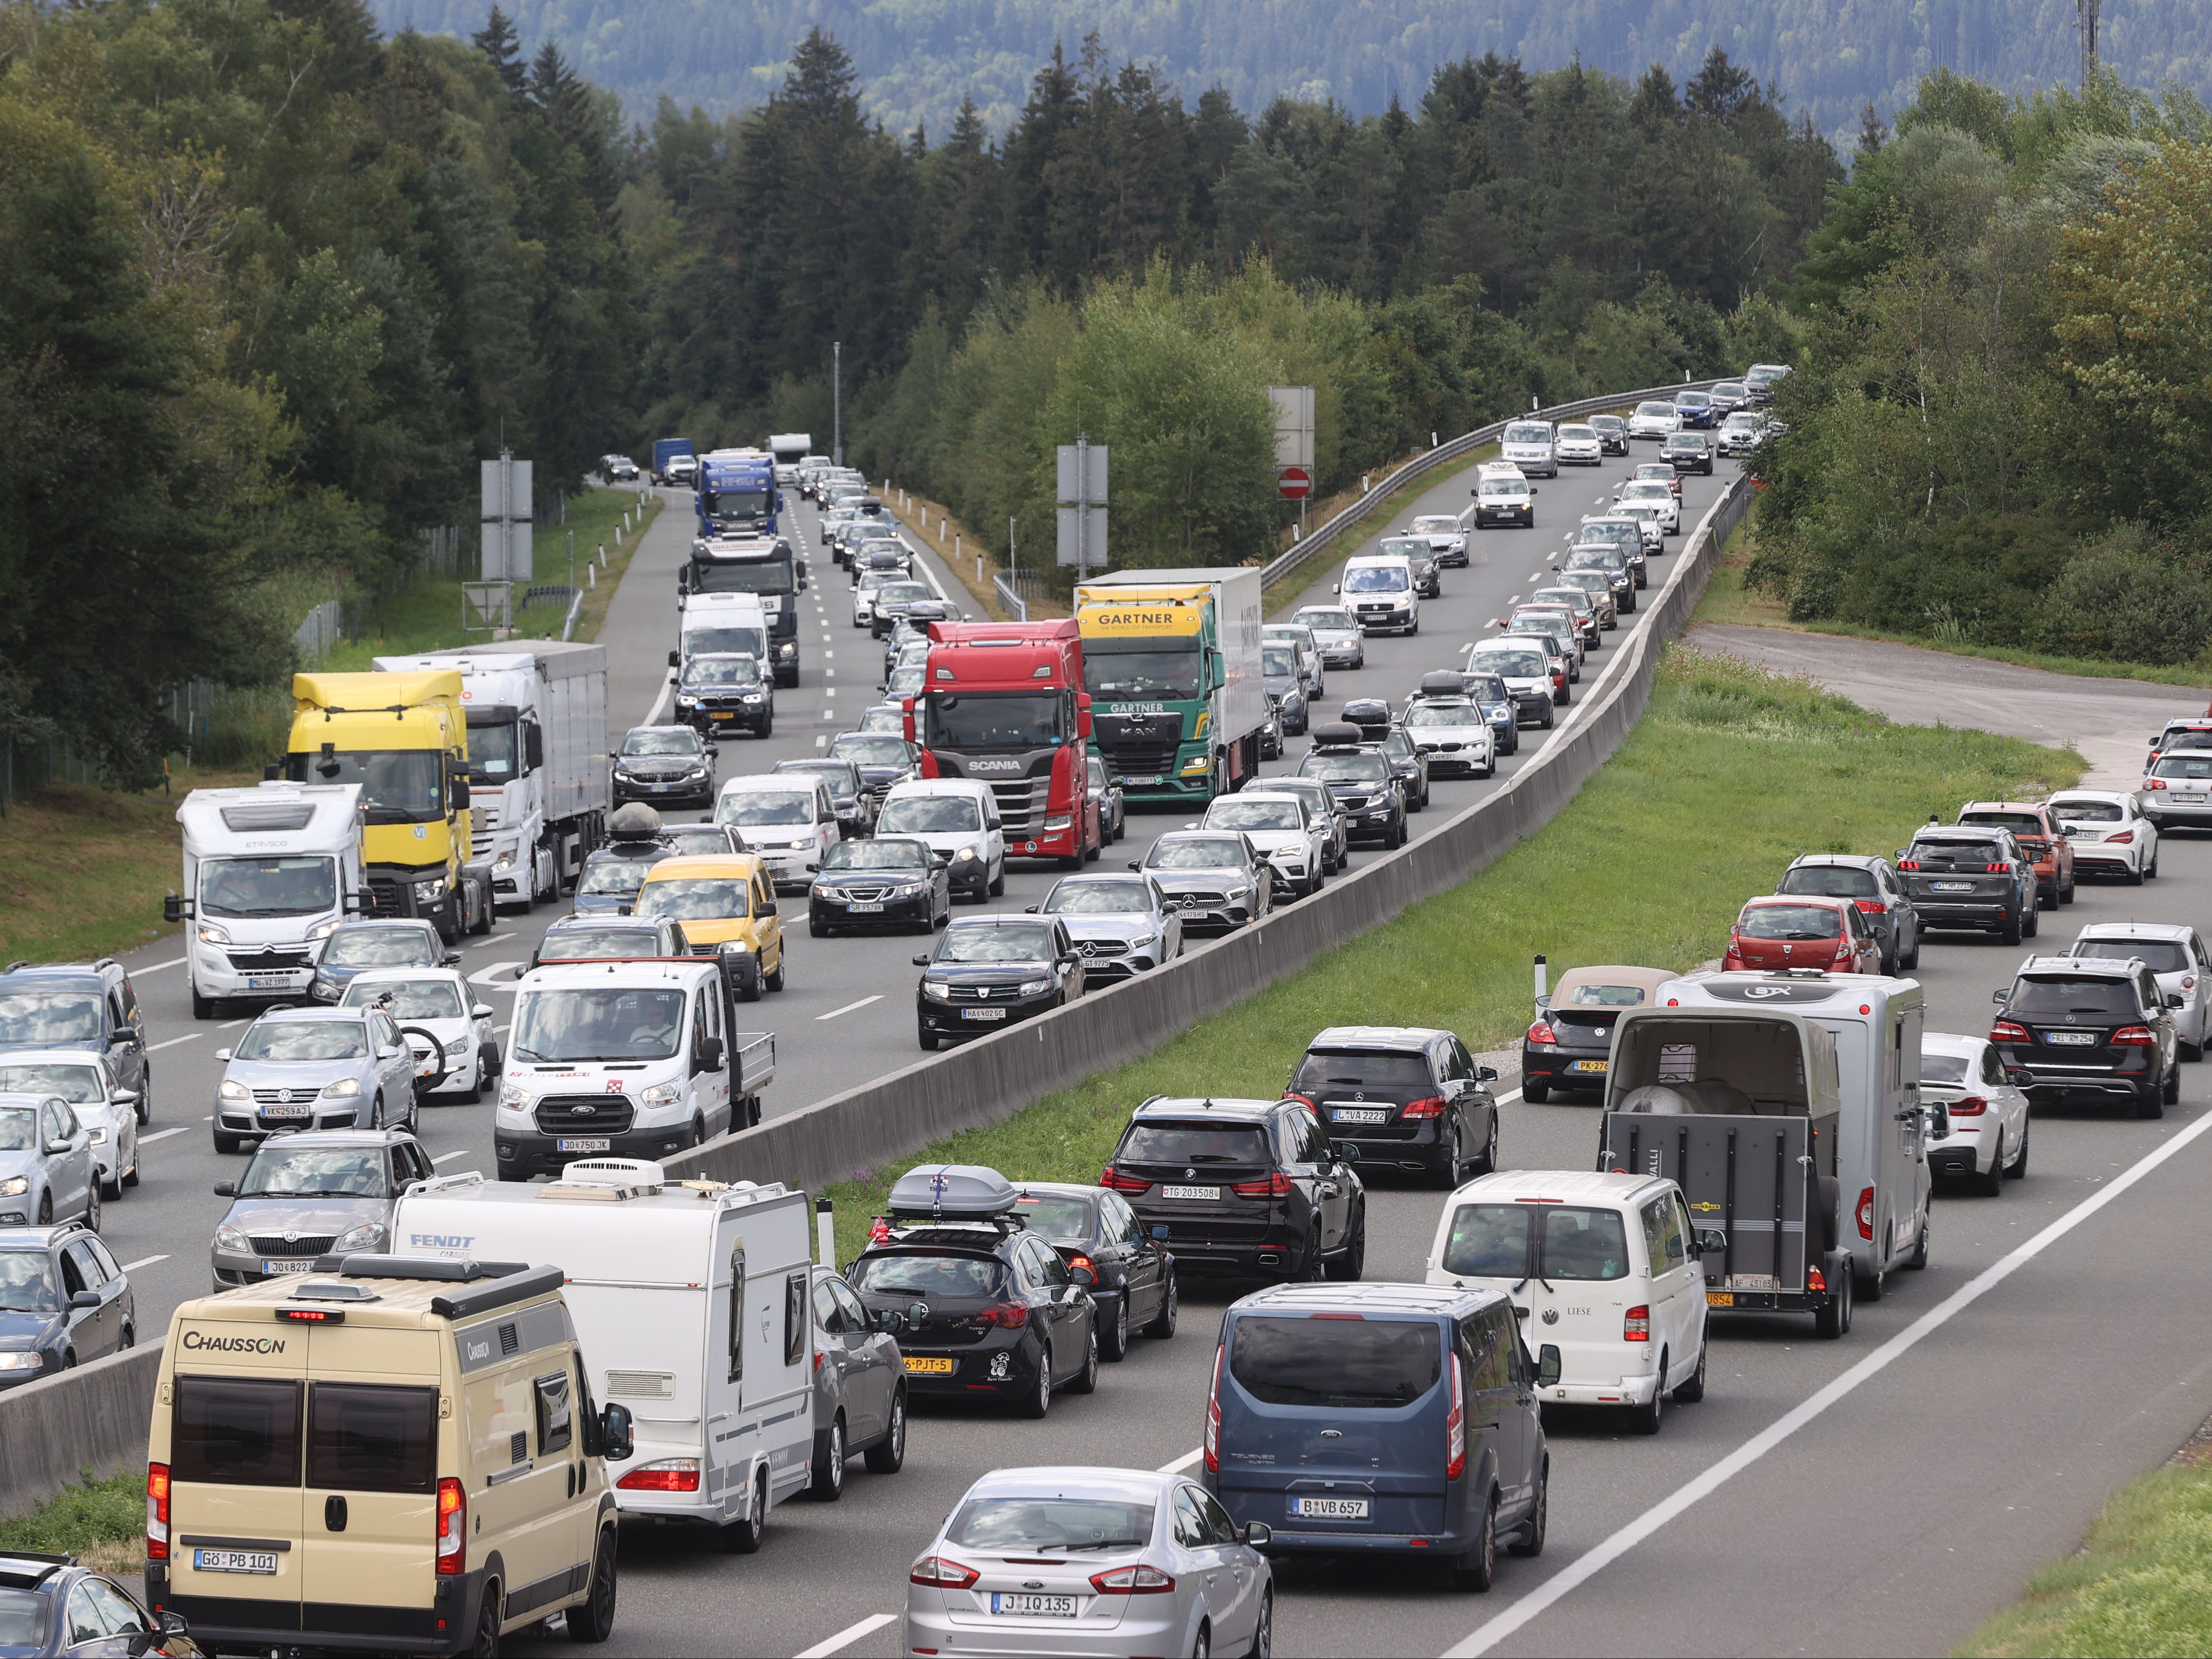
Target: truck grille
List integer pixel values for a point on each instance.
(1021, 806)
(267, 962)
(275, 1244)
(585, 1114)
(1141, 759)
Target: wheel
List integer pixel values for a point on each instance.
(1551, 718)
(815, 929)
(131, 1175)
(828, 1483)
(888, 1454)
(2018, 1167)
(1115, 1343)
(1164, 1321)
(1396, 838)
(998, 882)
(2150, 871)
(145, 1107)
(204, 1007)
(227, 1142)
(749, 988)
(2010, 932)
(1918, 1259)
(111, 1190)
(1531, 1541)
(92, 1197)
(1647, 1420)
(485, 1643)
(1309, 1267)
(1201, 1645)
(1870, 1288)
(1086, 1380)
(2170, 1094)
(1536, 1093)
(1992, 1184)
(376, 1113)
(743, 1535)
(775, 981)
(1477, 1569)
(592, 1619)
(1488, 1161)
(2135, 877)
(1038, 1400)
(1349, 1266)
(1911, 958)
(2066, 893)
(1263, 1629)
(1689, 1393)
(2032, 923)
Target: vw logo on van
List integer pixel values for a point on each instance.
(1551, 1316)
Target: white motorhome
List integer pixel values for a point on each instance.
(537, 757)
(269, 872)
(693, 1307)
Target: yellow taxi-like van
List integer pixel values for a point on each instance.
(387, 1454)
(726, 903)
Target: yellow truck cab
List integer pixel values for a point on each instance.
(388, 1454)
(404, 738)
(727, 905)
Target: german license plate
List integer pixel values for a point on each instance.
(924, 1366)
(1149, 778)
(258, 1561)
(1359, 1115)
(2070, 1039)
(1951, 886)
(1190, 1192)
(286, 1111)
(1329, 1509)
(583, 1144)
(267, 982)
(982, 1013)
(1592, 1065)
(276, 1267)
(874, 907)
(1033, 1607)
(1720, 1298)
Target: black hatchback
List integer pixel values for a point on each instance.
(991, 972)
(1092, 1228)
(1242, 1187)
(1407, 1097)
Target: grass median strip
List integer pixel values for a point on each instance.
(101, 1523)
(1731, 774)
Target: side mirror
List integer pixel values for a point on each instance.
(2019, 1076)
(2175, 999)
(921, 961)
(710, 1054)
(813, 869)
(224, 1054)
(1999, 995)
(1030, 909)
(225, 1189)
(1544, 1000)
(1083, 1276)
(616, 1444)
(479, 1011)
(460, 794)
(85, 1299)
(57, 1148)
(888, 1321)
(1711, 1241)
(675, 660)
(1344, 1151)
(1135, 865)
(175, 909)
(1547, 1366)
(1259, 1535)
(126, 1097)
(452, 959)
(1486, 1074)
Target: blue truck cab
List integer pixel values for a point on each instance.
(1396, 1419)
(737, 496)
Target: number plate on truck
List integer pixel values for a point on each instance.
(256, 1561)
(1330, 1509)
(585, 1144)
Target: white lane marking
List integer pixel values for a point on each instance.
(497, 1030)
(1587, 1566)
(851, 1633)
(189, 1036)
(143, 1261)
(828, 691)
(826, 655)
(160, 1134)
(848, 1007)
(155, 967)
(1182, 1462)
(1508, 1098)
(822, 742)
(488, 939)
(446, 1157)
(488, 976)
(233, 1025)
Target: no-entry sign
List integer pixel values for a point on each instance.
(1294, 483)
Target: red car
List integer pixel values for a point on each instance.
(1796, 931)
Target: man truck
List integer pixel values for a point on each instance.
(536, 718)
(1171, 659)
(1004, 704)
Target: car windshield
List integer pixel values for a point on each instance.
(316, 1172)
(1505, 486)
(1605, 996)
(907, 681)
(1194, 1142)
(1022, 1526)
(383, 947)
(2058, 995)
(1658, 408)
(1486, 688)
(883, 718)
(752, 809)
(837, 774)
(27, 1285)
(1515, 664)
(929, 815)
(902, 593)
(680, 740)
(268, 886)
(714, 671)
(2088, 811)
(1527, 433)
(1604, 556)
(1340, 620)
(1357, 1362)
(1195, 855)
(1537, 622)
(1441, 524)
(1573, 598)
(1279, 663)
(1099, 899)
(867, 749)
(2160, 956)
(933, 1278)
(695, 898)
(1691, 400)
(1443, 713)
(1326, 1071)
(2018, 823)
(1646, 490)
(880, 854)
(613, 874)
(617, 1023)
(1578, 432)
(1376, 579)
(1236, 814)
(995, 942)
(1790, 922)
(1340, 768)
(29, 1017)
(1957, 855)
(2183, 766)
(1831, 881)
(408, 999)
(1403, 547)
(1607, 422)
(304, 1040)
(1523, 1241)
(1056, 1216)
(725, 642)
(81, 1086)
(599, 943)
(1949, 1069)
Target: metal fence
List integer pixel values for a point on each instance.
(450, 550)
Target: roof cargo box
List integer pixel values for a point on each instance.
(968, 1191)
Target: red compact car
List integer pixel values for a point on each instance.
(1795, 931)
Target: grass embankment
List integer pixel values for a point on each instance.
(1727, 600)
(1731, 774)
(974, 565)
(102, 1523)
(2139, 1584)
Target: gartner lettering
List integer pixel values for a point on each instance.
(198, 1342)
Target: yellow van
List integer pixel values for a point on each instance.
(727, 905)
(389, 1454)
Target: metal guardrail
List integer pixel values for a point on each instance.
(1013, 601)
(1443, 455)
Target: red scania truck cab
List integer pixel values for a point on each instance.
(1004, 704)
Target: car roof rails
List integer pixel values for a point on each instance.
(20, 962)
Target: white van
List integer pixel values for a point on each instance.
(629, 1059)
(788, 819)
(1503, 494)
(959, 819)
(1602, 1268)
(722, 623)
(694, 1308)
(1378, 589)
(1528, 445)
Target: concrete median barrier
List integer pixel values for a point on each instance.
(91, 1417)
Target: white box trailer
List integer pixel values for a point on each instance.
(693, 1307)
(537, 757)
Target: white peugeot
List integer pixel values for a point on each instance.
(2108, 832)
(436, 1003)
(2176, 954)
(1964, 1076)
(1286, 832)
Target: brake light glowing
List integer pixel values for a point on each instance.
(1113, 1178)
(1971, 1106)
(1431, 1106)
(1213, 1415)
(1543, 1033)
(1866, 1213)
(453, 1528)
(1995, 869)
(157, 1511)
(2005, 1031)
(2132, 1036)
(941, 1574)
(674, 1474)
(1637, 1327)
(312, 1315)
(1277, 1185)
(1456, 1429)
(1131, 1581)
(1079, 1259)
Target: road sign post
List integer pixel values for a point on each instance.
(1294, 443)
(1082, 514)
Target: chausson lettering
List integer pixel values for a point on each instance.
(200, 1342)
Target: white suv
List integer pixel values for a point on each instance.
(2172, 952)
(1649, 492)
(1654, 419)
(1528, 445)
(1287, 834)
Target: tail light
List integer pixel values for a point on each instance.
(1872, 907)
(2154, 783)
(817, 1359)
(2132, 1036)
(1114, 1179)
(2005, 1031)
(1456, 1429)
(1637, 1327)
(1815, 1280)
(1213, 1415)
(1866, 1213)
(1306, 1101)
(674, 1474)
(1971, 1106)
(1541, 1032)
(1079, 1259)
(2126, 838)
(1995, 869)
(1277, 1185)
(1844, 949)
(1433, 1106)
(1006, 1316)
(157, 1511)
(1132, 1581)
(2189, 982)
(453, 1528)
(1908, 864)
(938, 1573)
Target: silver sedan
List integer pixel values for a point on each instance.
(1091, 1561)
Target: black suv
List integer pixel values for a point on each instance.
(1246, 1187)
(1362, 779)
(1875, 888)
(1093, 1228)
(1962, 876)
(2089, 1027)
(78, 1005)
(980, 1303)
(990, 971)
(1407, 1097)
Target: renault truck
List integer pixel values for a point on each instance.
(1171, 659)
(1003, 703)
(537, 719)
(404, 738)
